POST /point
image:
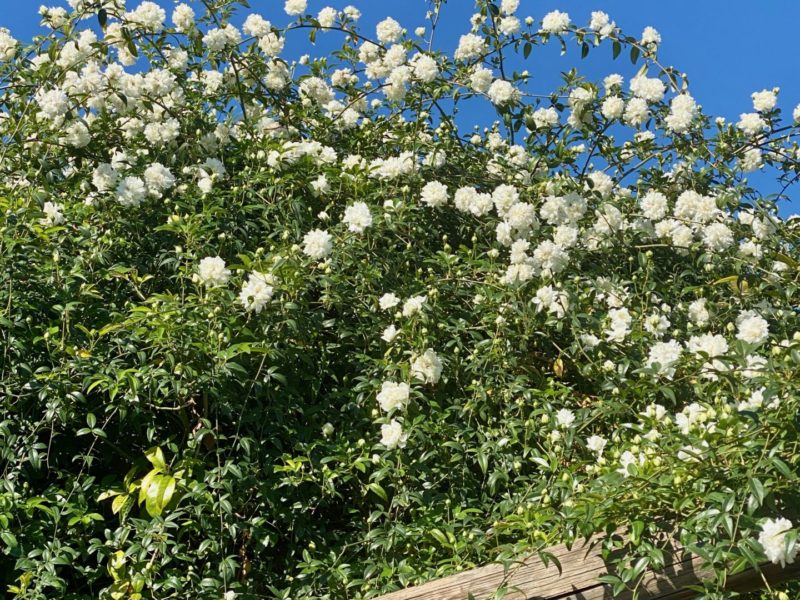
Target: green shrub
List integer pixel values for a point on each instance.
(270, 331)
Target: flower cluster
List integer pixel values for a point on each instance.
(328, 299)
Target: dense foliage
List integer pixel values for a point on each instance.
(278, 329)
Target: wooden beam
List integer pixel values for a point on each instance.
(530, 579)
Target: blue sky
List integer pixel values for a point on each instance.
(728, 48)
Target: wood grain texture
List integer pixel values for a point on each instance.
(531, 579)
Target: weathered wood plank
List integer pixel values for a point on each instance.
(530, 579)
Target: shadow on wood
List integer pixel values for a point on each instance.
(530, 579)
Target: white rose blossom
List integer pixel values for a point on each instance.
(211, 272)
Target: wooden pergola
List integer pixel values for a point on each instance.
(576, 579)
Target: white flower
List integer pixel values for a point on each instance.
(648, 88)
(601, 183)
(357, 217)
(413, 305)
(509, 7)
(565, 418)
(271, 44)
(545, 117)
(596, 444)
(256, 26)
(352, 13)
(388, 31)
(8, 45)
(504, 197)
(636, 111)
(589, 341)
(158, 178)
(54, 17)
(480, 79)
(773, 539)
(550, 257)
(752, 327)
(425, 68)
(388, 301)
(148, 15)
(508, 25)
(751, 123)
(53, 103)
(599, 20)
(257, 291)
(698, 313)
(755, 366)
(657, 324)
(327, 16)
(52, 214)
(555, 22)
(613, 82)
(689, 453)
(389, 334)
(709, 344)
(77, 135)
(522, 218)
(468, 199)
(392, 435)
(717, 237)
(650, 36)
(754, 402)
(665, 355)
(654, 205)
(613, 107)
(619, 326)
(183, 17)
(131, 191)
(393, 396)
(764, 101)
(434, 194)
(316, 89)
(751, 160)
(217, 39)
(629, 458)
(294, 8)
(427, 366)
(691, 206)
(317, 244)
(469, 46)
(683, 109)
(502, 92)
(212, 272)
(553, 301)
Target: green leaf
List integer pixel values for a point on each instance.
(147, 481)
(617, 48)
(483, 462)
(634, 54)
(119, 502)
(783, 468)
(757, 488)
(439, 536)
(156, 457)
(159, 493)
(9, 539)
(637, 527)
(378, 490)
(108, 494)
